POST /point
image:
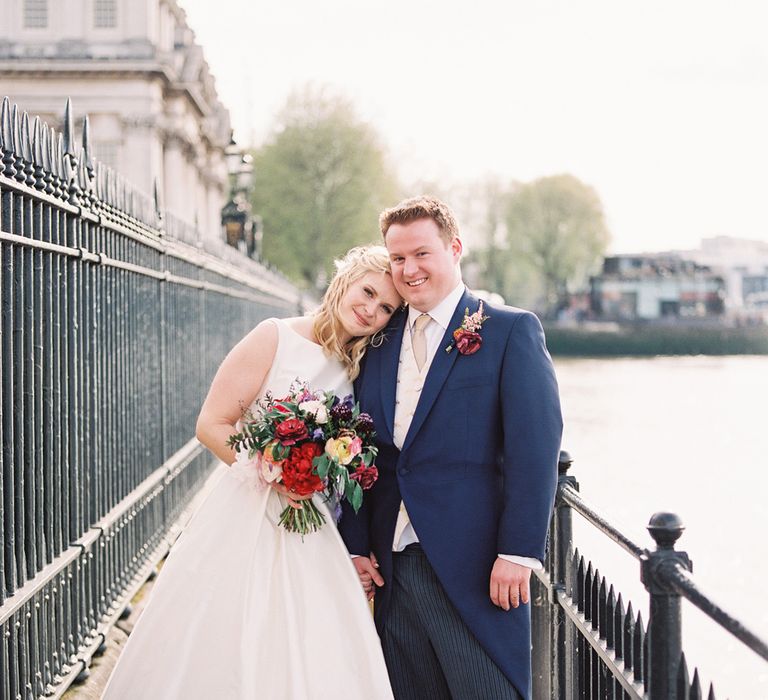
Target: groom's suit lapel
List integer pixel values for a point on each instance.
(439, 369)
(389, 359)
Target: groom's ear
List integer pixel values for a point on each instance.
(457, 248)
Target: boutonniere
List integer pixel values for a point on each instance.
(467, 337)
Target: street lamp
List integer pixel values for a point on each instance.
(240, 230)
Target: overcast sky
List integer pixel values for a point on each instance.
(662, 106)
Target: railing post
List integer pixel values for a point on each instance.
(665, 622)
(562, 545)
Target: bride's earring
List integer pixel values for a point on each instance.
(377, 339)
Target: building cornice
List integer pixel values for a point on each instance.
(112, 69)
(45, 68)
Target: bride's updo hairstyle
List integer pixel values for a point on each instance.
(327, 326)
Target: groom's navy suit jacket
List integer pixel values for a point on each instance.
(477, 471)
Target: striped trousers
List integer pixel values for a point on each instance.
(430, 652)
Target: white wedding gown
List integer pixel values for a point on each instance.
(242, 608)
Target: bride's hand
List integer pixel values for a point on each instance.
(293, 498)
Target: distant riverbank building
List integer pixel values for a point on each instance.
(656, 287)
(133, 66)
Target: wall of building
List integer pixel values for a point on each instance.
(144, 84)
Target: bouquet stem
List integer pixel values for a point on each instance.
(302, 520)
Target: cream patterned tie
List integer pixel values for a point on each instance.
(419, 341)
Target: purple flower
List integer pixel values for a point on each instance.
(318, 435)
(342, 411)
(364, 424)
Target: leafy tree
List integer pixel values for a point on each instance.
(320, 182)
(488, 262)
(556, 226)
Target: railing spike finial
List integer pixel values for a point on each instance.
(83, 174)
(122, 194)
(5, 124)
(98, 181)
(18, 154)
(158, 206)
(695, 686)
(26, 150)
(112, 187)
(156, 196)
(47, 159)
(87, 151)
(15, 130)
(6, 139)
(37, 141)
(564, 462)
(58, 164)
(69, 130)
(683, 678)
(26, 137)
(37, 154)
(70, 160)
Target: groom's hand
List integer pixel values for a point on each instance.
(368, 571)
(510, 584)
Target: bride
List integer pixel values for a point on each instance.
(242, 608)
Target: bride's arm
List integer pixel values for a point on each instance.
(234, 387)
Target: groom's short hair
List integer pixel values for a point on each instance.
(422, 207)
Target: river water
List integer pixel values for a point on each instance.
(681, 434)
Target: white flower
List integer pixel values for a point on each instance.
(316, 409)
(270, 471)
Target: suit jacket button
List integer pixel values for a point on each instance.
(402, 471)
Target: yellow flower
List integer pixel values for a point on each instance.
(342, 449)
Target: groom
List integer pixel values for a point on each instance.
(466, 411)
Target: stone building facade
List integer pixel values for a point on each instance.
(134, 67)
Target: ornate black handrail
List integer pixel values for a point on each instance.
(114, 315)
(587, 644)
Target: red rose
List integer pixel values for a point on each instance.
(467, 342)
(298, 474)
(365, 476)
(290, 431)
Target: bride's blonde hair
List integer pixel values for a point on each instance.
(327, 324)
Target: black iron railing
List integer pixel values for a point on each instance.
(113, 318)
(589, 642)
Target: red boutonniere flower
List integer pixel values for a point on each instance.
(467, 338)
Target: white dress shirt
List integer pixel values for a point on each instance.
(433, 333)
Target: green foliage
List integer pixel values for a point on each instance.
(320, 183)
(556, 229)
(647, 340)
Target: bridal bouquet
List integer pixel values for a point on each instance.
(310, 442)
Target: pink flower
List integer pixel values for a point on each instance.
(356, 446)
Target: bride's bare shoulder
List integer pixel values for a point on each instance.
(263, 338)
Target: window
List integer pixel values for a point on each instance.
(105, 14)
(35, 14)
